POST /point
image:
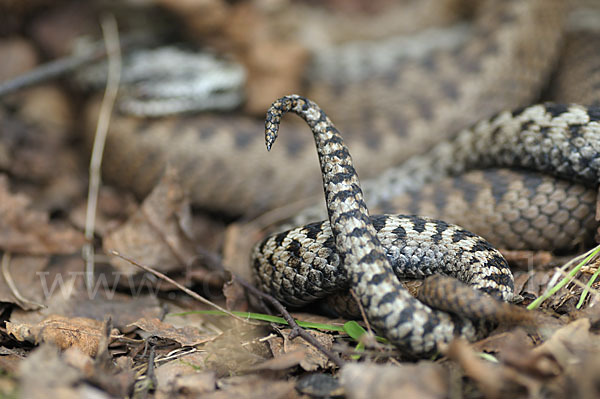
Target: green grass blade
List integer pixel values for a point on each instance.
(588, 256)
(266, 317)
(587, 288)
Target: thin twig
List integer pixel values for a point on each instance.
(362, 311)
(181, 287)
(297, 331)
(13, 287)
(216, 264)
(62, 66)
(111, 38)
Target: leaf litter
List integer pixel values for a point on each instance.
(119, 338)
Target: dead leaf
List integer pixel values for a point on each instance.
(39, 376)
(185, 336)
(253, 387)
(82, 333)
(282, 361)
(235, 296)
(239, 348)
(72, 374)
(568, 343)
(312, 358)
(498, 342)
(112, 210)
(185, 375)
(10, 359)
(421, 380)
(60, 286)
(27, 231)
(154, 235)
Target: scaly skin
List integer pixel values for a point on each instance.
(361, 258)
(311, 262)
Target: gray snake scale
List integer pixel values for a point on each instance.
(363, 252)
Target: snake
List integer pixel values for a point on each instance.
(387, 116)
(505, 66)
(367, 253)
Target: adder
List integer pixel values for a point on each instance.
(354, 250)
(505, 66)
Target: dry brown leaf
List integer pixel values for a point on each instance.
(72, 374)
(185, 336)
(235, 296)
(154, 235)
(421, 380)
(498, 380)
(568, 343)
(238, 349)
(527, 260)
(79, 332)
(10, 360)
(62, 289)
(27, 231)
(283, 360)
(182, 376)
(112, 209)
(312, 358)
(38, 375)
(498, 342)
(254, 387)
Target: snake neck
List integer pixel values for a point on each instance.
(346, 208)
(389, 307)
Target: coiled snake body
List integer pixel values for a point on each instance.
(312, 261)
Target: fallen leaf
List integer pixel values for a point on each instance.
(63, 292)
(10, 359)
(185, 375)
(185, 336)
(282, 361)
(373, 381)
(311, 358)
(71, 374)
(154, 235)
(493, 379)
(568, 343)
(82, 333)
(253, 387)
(27, 231)
(38, 376)
(239, 348)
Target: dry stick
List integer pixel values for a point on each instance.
(62, 66)
(362, 311)
(111, 38)
(13, 287)
(297, 331)
(179, 286)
